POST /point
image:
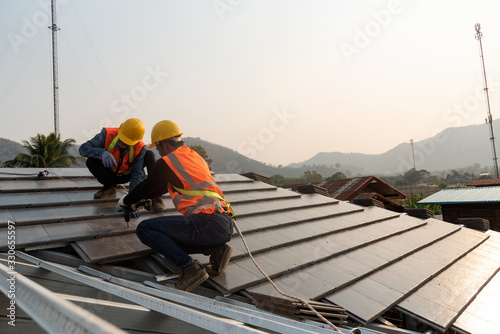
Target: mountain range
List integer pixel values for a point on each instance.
(452, 148)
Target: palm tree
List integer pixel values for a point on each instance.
(44, 151)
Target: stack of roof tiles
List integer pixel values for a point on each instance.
(420, 212)
(312, 189)
(258, 177)
(368, 202)
(477, 223)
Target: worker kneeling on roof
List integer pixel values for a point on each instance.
(206, 223)
(117, 156)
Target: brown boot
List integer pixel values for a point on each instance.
(158, 205)
(105, 193)
(191, 276)
(219, 258)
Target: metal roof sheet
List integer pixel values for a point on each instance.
(463, 195)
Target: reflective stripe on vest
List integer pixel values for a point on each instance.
(130, 151)
(133, 152)
(205, 193)
(195, 175)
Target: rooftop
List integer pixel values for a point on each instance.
(366, 260)
(463, 195)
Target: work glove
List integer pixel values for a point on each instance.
(108, 160)
(128, 210)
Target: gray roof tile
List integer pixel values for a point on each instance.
(365, 259)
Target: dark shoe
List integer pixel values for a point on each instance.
(191, 276)
(105, 193)
(158, 205)
(219, 258)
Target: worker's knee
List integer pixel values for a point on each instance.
(142, 229)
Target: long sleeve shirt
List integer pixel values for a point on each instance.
(94, 148)
(155, 184)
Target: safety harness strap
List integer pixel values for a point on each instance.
(205, 193)
(130, 149)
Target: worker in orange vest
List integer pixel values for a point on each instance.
(206, 223)
(117, 156)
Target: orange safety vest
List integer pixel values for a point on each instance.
(110, 144)
(195, 175)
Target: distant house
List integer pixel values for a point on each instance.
(484, 183)
(359, 190)
(476, 201)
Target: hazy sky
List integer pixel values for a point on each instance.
(278, 81)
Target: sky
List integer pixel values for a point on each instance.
(275, 80)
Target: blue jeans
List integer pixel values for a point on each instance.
(177, 236)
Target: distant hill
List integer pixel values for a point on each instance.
(9, 149)
(452, 148)
(226, 160)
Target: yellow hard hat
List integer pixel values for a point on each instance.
(131, 131)
(164, 130)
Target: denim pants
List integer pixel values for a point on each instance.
(177, 236)
(108, 179)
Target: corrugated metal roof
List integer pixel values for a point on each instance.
(463, 195)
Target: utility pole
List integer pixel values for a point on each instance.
(54, 29)
(489, 118)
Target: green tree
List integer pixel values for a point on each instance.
(201, 151)
(278, 179)
(337, 176)
(413, 176)
(44, 151)
(442, 185)
(411, 202)
(312, 176)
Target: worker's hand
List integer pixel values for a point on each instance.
(120, 202)
(128, 210)
(108, 160)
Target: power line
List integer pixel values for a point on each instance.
(103, 69)
(16, 27)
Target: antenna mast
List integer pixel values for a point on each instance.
(489, 118)
(54, 29)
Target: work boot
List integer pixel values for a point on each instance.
(105, 193)
(191, 276)
(219, 258)
(158, 205)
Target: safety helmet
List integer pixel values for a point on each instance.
(164, 130)
(131, 131)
